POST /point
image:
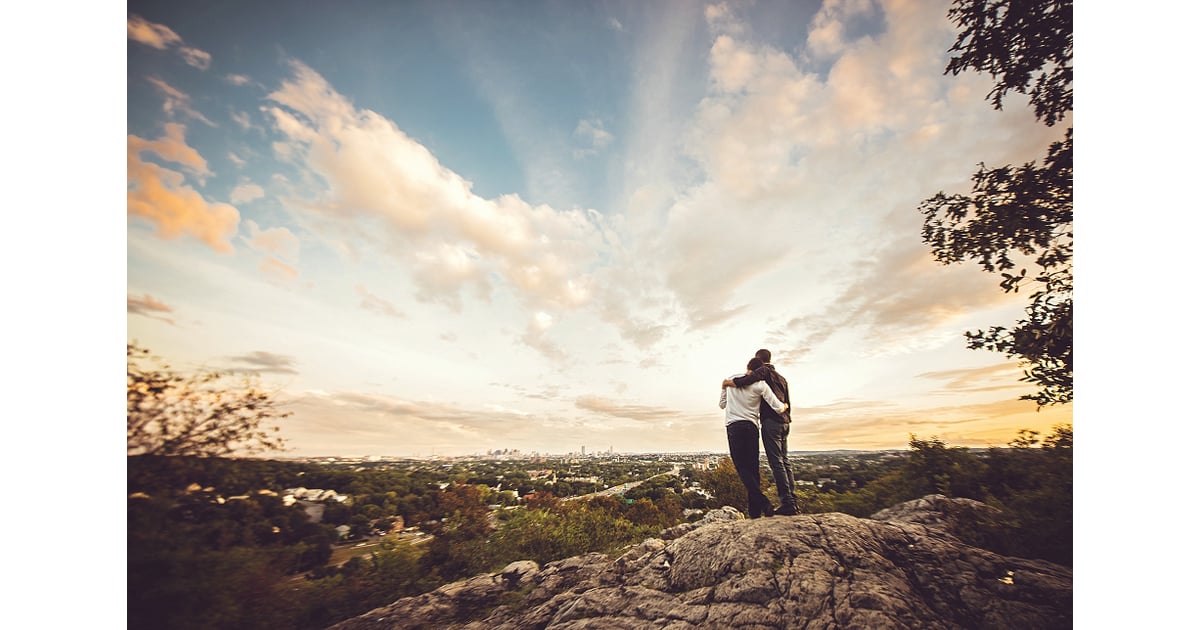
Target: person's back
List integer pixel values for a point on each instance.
(741, 430)
(742, 403)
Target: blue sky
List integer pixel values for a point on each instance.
(453, 227)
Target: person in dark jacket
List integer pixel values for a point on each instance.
(775, 429)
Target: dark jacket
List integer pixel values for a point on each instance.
(779, 387)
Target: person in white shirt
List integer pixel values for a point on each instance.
(741, 405)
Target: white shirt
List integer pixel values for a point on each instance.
(741, 403)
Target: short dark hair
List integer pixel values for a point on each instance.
(763, 355)
(754, 364)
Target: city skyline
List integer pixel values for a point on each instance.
(458, 227)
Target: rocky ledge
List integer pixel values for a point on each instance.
(905, 567)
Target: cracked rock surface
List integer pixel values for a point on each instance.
(906, 567)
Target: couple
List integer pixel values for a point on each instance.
(760, 393)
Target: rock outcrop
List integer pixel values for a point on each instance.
(905, 567)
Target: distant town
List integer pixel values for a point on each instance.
(581, 454)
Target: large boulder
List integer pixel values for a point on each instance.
(905, 567)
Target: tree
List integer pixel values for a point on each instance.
(726, 486)
(1014, 39)
(1024, 213)
(202, 415)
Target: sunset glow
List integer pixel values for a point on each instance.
(445, 228)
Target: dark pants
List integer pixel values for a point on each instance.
(774, 438)
(743, 450)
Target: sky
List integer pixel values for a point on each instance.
(443, 228)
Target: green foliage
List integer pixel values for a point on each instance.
(205, 415)
(1022, 212)
(195, 548)
(1035, 487)
(393, 571)
(459, 545)
(195, 563)
(1019, 211)
(544, 535)
(934, 468)
(726, 487)
(1032, 488)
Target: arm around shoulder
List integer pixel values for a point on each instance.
(757, 375)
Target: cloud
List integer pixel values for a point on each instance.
(390, 424)
(379, 180)
(238, 79)
(246, 192)
(242, 119)
(148, 306)
(277, 270)
(615, 24)
(880, 425)
(1001, 376)
(827, 32)
(161, 37)
(721, 19)
(593, 135)
(176, 102)
(536, 337)
(640, 413)
(802, 163)
(161, 196)
(376, 304)
(264, 362)
(195, 57)
(154, 35)
(280, 245)
(897, 301)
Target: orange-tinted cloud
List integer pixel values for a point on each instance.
(161, 37)
(877, 425)
(278, 270)
(278, 241)
(452, 239)
(148, 306)
(162, 196)
(154, 35)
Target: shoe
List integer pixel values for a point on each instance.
(768, 510)
(787, 510)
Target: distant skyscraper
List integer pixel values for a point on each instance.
(583, 450)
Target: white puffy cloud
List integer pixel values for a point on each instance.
(453, 240)
(246, 192)
(808, 156)
(277, 241)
